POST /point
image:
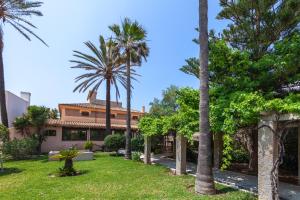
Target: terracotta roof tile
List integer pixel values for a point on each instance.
(77, 124)
(94, 106)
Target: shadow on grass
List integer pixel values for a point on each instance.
(8, 171)
(57, 175)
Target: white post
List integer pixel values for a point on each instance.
(147, 150)
(180, 155)
(267, 152)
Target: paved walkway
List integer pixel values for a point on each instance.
(234, 179)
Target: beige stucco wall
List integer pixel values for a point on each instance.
(55, 143)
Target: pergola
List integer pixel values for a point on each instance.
(268, 137)
(268, 148)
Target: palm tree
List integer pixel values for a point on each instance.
(105, 64)
(131, 39)
(204, 179)
(13, 12)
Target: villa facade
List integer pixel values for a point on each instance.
(81, 122)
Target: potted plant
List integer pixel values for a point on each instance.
(88, 146)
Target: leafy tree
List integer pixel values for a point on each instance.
(105, 64)
(131, 39)
(22, 125)
(256, 25)
(53, 113)
(36, 117)
(167, 105)
(15, 14)
(191, 67)
(204, 180)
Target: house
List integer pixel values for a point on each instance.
(16, 105)
(81, 122)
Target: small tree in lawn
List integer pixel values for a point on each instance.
(67, 155)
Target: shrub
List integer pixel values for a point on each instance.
(136, 156)
(20, 149)
(137, 143)
(67, 155)
(88, 145)
(4, 135)
(114, 142)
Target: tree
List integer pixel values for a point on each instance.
(38, 116)
(105, 64)
(131, 39)
(204, 179)
(15, 13)
(167, 105)
(256, 25)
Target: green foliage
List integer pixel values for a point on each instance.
(88, 145)
(53, 113)
(37, 115)
(137, 143)
(114, 142)
(22, 125)
(166, 106)
(256, 25)
(149, 125)
(16, 13)
(136, 156)
(67, 155)
(188, 113)
(20, 148)
(4, 134)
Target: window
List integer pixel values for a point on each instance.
(97, 134)
(135, 117)
(113, 116)
(85, 114)
(50, 133)
(71, 134)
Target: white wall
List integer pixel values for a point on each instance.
(16, 106)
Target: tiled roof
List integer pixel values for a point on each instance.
(94, 106)
(77, 124)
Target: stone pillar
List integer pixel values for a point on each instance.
(267, 152)
(298, 155)
(218, 150)
(180, 155)
(147, 150)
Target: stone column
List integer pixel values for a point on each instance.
(267, 151)
(147, 150)
(298, 155)
(218, 150)
(180, 155)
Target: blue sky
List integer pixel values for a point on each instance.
(46, 73)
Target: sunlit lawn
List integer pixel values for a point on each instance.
(106, 177)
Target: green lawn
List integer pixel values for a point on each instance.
(106, 177)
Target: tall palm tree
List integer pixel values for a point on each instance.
(105, 64)
(204, 179)
(14, 12)
(131, 39)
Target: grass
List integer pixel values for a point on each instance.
(106, 177)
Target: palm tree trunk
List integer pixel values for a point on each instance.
(4, 118)
(204, 179)
(108, 121)
(128, 118)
